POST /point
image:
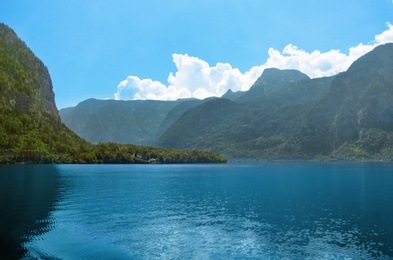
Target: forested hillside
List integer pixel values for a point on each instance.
(30, 125)
(31, 129)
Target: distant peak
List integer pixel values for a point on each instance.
(273, 75)
(380, 56)
(232, 95)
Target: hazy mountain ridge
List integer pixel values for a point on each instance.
(125, 122)
(139, 122)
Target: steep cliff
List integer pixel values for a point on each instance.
(30, 129)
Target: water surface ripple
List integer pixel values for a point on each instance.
(234, 211)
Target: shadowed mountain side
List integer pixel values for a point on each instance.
(357, 112)
(176, 113)
(192, 127)
(128, 122)
(139, 122)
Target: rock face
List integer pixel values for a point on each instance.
(24, 80)
(30, 124)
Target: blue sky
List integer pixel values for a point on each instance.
(170, 49)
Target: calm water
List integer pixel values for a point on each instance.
(234, 211)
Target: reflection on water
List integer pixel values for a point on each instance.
(261, 211)
(27, 197)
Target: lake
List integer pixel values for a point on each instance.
(278, 210)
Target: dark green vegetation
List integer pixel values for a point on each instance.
(31, 129)
(284, 115)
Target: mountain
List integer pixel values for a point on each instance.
(126, 122)
(273, 80)
(287, 115)
(30, 125)
(139, 122)
(254, 124)
(233, 95)
(195, 127)
(27, 106)
(284, 115)
(355, 118)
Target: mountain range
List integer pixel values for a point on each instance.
(284, 115)
(31, 130)
(128, 122)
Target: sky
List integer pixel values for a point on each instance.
(152, 49)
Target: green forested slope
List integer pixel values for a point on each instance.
(30, 125)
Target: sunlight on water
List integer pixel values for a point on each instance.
(266, 211)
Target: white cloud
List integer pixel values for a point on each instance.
(315, 64)
(386, 36)
(196, 78)
(136, 88)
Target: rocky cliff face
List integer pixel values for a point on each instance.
(24, 80)
(30, 126)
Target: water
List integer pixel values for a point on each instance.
(234, 211)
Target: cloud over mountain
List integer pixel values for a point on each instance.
(196, 78)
